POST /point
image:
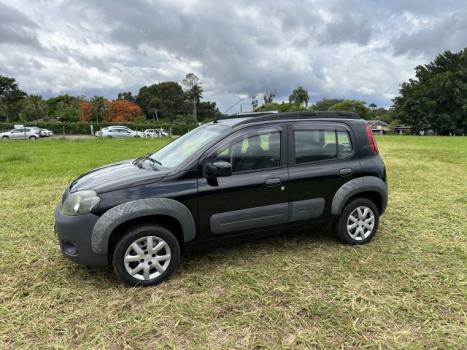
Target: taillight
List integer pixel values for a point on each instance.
(371, 140)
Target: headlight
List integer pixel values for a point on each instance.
(81, 202)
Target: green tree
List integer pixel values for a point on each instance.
(167, 98)
(299, 96)
(208, 110)
(268, 96)
(437, 97)
(254, 102)
(353, 106)
(64, 107)
(100, 109)
(10, 98)
(33, 107)
(325, 104)
(126, 95)
(194, 91)
(386, 115)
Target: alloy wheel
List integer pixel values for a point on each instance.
(360, 223)
(147, 258)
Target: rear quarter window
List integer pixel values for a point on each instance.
(318, 145)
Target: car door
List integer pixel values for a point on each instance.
(125, 133)
(18, 134)
(254, 197)
(118, 133)
(321, 160)
(112, 132)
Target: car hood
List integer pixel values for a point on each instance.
(116, 176)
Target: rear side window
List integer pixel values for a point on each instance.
(317, 145)
(344, 146)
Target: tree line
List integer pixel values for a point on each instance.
(299, 101)
(166, 101)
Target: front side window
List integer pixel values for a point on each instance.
(182, 148)
(256, 150)
(317, 145)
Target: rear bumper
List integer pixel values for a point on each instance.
(74, 236)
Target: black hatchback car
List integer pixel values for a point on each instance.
(234, 178)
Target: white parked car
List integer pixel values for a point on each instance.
(21, 134)
(46, 133)
(155, 132)
(119, 132)
(42, 132)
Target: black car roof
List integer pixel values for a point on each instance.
(237, 120)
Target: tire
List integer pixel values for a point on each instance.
(5, 138)
(33, 138)
(358, 222)
(149, 269)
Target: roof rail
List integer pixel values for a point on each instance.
(302, 115)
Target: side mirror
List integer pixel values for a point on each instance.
(219, 169)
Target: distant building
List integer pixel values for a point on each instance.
(379, 127)
(402, 129)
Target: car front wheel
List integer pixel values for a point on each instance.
(146, 255)
(33, 138)
(358, 222)
(5, 138)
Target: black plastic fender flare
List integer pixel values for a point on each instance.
(140, 208)
(359, 185)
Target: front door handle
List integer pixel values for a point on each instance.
(345, 172)
(273, 182)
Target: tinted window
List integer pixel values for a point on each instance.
(343, 143)
(316, 145)
(254, 151)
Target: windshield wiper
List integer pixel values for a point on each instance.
(155, 161)
(139, 161)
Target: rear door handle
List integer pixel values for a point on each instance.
(273, 182)
(345, 172)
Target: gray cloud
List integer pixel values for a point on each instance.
(449, 33)
(16, 28)
(337, 48)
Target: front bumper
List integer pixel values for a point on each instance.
(74, 235)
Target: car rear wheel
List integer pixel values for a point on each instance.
(358, 222)
(146, 255)
(33, 138)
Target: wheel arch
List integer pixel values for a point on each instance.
(164, 220)
(370, 187)
(168, 212)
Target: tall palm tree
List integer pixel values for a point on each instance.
(299, 96)
(194, 90)
(100, 109)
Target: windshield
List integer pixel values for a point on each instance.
(181, 149)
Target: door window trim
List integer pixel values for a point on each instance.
(237, 135)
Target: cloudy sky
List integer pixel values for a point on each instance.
(334, 48)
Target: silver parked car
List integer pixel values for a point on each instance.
(119, 132)
(21, 134)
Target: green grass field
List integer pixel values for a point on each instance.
(406, 289)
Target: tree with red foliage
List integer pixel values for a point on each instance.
(85, 111)
(124, 111)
